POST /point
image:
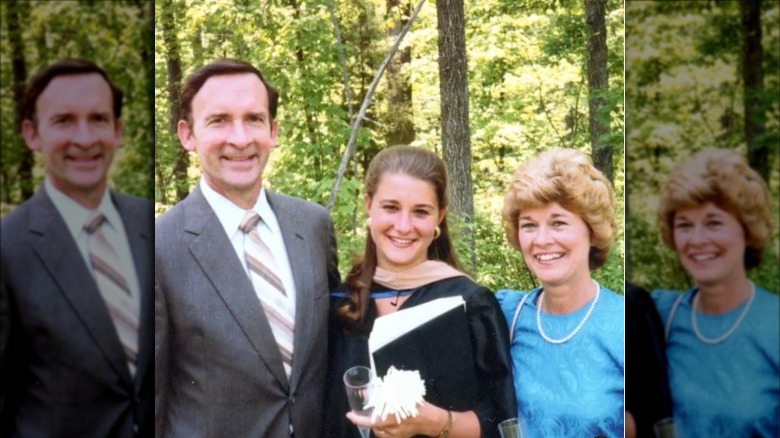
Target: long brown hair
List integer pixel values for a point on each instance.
(415, 162)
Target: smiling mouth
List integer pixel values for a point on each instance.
(548, 257)
(83, 158)
(703, 257)
(400, 242)
(238, 158)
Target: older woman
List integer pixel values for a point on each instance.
(723, 334)
(567, 334)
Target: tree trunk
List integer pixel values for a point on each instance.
(400, 129)
(19, 77)
(311, 122)
(173, 64)
(601, 150)
(453, 77)
(146, 13)
(753, 80)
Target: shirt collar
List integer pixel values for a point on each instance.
(74, 214)
(229, 214)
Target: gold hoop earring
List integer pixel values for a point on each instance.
(436, 232)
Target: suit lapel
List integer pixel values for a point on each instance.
(213, 251)
(300, 263)
(139, 226)
(59, 254)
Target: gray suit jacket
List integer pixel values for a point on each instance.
(63, 372)
(218, 369)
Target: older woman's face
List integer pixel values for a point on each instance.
(710, 243)
(555, 243)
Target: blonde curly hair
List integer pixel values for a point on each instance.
(566, 177)
(724, 178)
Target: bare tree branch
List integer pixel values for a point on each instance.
(364, 107)
(576, 111)
(547, 114)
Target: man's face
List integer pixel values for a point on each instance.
(76, 133)
(232, 133)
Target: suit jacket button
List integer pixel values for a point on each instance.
(135, 429)
(291, 400)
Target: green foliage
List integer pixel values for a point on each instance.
(499, 266)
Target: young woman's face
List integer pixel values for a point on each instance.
(555, 244)
(404, 214)
(710, 243)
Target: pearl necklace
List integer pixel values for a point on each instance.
(733, 327)
(576, 329)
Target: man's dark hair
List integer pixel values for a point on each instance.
(221, 67)
(65, 67)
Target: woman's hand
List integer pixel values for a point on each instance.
(430, 422)
(387, 428)
(630, 425)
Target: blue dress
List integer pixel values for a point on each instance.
(574, 389)
(729, 389)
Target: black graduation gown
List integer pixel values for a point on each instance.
(463, 358)
(647, 391)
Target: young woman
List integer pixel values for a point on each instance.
(409, 261)
(723, 334)
(567, 334)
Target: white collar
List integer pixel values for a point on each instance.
(230, 215)
(74, 214)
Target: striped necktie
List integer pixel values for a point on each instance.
(269, 288)
(122, 305)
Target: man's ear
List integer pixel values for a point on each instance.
(274, 130)
(118, 129)
(30, 134)
(186, 135)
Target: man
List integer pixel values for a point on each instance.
(76, 278)
(241, 304)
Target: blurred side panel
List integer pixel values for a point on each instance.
(63, 369)
(704, 76)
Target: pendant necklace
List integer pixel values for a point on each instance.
(733, 327)
(576, 329)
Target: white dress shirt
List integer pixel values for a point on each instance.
(230, 216)
(75, 215)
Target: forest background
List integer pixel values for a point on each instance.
(528, 90)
